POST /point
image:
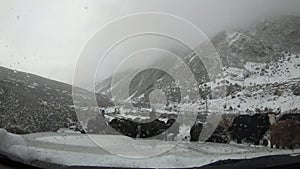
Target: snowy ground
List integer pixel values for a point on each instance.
(259, 82)
(76, 149)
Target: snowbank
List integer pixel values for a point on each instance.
(76, 149)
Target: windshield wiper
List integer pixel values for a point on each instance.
(265, 162)
(7, 163)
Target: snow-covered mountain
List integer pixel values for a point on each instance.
(261, 70)
(262, 42)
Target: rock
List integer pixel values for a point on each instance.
(296, 90)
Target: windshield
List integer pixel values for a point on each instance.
(150, 84)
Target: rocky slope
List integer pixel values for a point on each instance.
(259, 86)
(262, 42)
(29, 103)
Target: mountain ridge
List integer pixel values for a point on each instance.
(30, 103)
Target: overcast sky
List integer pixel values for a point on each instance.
(45, 37)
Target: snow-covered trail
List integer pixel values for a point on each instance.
(76, 149)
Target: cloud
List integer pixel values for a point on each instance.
(46, 37)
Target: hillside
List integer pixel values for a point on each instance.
(29, 103)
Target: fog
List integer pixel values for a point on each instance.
(46, 37)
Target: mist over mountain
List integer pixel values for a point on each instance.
(262, 42)
(270, 42)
